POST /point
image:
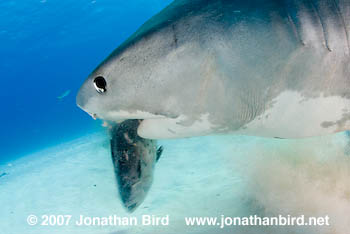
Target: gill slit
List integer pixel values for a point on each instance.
(343, 23)
(295, 29)
(325, 34)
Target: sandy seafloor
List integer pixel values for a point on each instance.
(206, 176)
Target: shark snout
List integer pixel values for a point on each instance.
(83, 95)
(79, 101)
(82, 103)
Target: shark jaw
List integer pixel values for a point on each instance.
(171, 128)
(155, 126)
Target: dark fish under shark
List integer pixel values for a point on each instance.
(272, 68)
(134, 159)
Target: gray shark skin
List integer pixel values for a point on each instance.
(134, 159)
(273, 68)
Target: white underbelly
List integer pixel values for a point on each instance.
(294, 116)
(167, 128)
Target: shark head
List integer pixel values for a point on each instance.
(156, 75)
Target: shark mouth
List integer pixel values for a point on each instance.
(154, 126)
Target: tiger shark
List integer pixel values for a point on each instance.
(271, 68)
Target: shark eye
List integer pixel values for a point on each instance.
(100, 84)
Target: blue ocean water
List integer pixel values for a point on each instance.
(48, 48)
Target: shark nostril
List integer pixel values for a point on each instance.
(94, 116)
